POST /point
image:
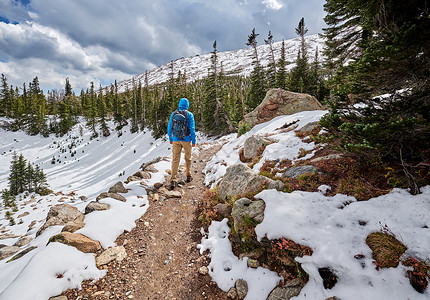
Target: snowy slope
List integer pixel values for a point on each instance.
(237, 61)
(334, 227)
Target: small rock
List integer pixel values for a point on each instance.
(23, 214)
(22, 253)
(83, 198)
(158, 185)
(133, 178)
(94, 205)
(203, 270)
(58, 298)
(223, 209)
(289, 290)
(232, 293)
(77, 240)
(118, 188)
(23, 241)
(113, 253)
(241, 288)
(155, 197)
(111, 195)
(333, 298)
(253, 263)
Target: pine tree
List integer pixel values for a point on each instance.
(92, 114)
(65, 115)
(258, 86)
(17, 183)
(281, 74)
(271, 68)
(299, 75)
(102, 113)
(5, 98)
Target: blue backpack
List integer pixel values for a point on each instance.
(179, 124)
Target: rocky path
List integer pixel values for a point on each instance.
(162, 261)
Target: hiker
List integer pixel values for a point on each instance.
(182, 134)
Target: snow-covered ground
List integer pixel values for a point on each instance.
(334, 227)
(311, 219)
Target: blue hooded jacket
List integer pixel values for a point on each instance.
(183, 105)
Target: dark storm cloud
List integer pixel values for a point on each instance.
(129, 37)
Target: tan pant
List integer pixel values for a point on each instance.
(176, 151)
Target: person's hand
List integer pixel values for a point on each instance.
(193, 145)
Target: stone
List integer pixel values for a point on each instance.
(203, 270)
(245, 211)
(333, 298)
(22, 253)
(63, 214)
(295, 172)
(253, 145)
(155, 197)
(118, 188)
(142, 174)
(223, 209)
(291, 289)
(8, 251)
(77, 240)
(114, 253)
(308, 128)
(158, 185)
(24, 240)
(232, 293)
(96, 206)
(240, 179)
(151, 169)
(327, 157)
(83, 198)
(241, 288)
(58, 298)
(253, 263)
(169, 194)
(133, 178)
(23, 214)
(73, 226)
(111, 195)
(280, 102)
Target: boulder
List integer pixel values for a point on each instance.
(295, 172)
(280, 102)
(327, 157)
(73, 226)
(77, 240)
(114, 253)
(289, 290)
(247, 213)
(111, 195)
(169, 194)
(308, 128)
(144, 166)
(8, 251)
(118, 188)
(63, 214)
(94, 205)
(133, 178)
(151, 169)
(241, 288)
(240, 179)
(58, 298)
(252, 146)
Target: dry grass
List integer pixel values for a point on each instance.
(386, 249)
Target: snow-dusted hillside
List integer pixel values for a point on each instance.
(237, 61)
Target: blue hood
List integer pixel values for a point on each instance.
(184, 104)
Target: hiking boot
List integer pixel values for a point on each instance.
(189, 179)
(173, 184)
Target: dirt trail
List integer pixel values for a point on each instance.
(162, 257)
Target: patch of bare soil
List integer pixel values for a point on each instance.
(162, 257)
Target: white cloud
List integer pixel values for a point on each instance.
(273, 4)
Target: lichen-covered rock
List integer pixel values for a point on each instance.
(252, 146)
(94, 205)
(247, 213)
(280, 102)
(295, 172)
(111, 195)
(22, 253)
(289, 290)
(77, 240)
(240, 179)
(142, 174)
(118, 188)
(62, 214)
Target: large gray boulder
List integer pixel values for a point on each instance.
(63, 214)
(240, 179)
(252, 146)
(280, 102)
(118, 188)
(295, 172)
(111, 195)
(247, 213)
(94, 205)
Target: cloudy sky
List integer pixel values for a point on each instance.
(104, 40)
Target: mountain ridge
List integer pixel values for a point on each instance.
(232, 62)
